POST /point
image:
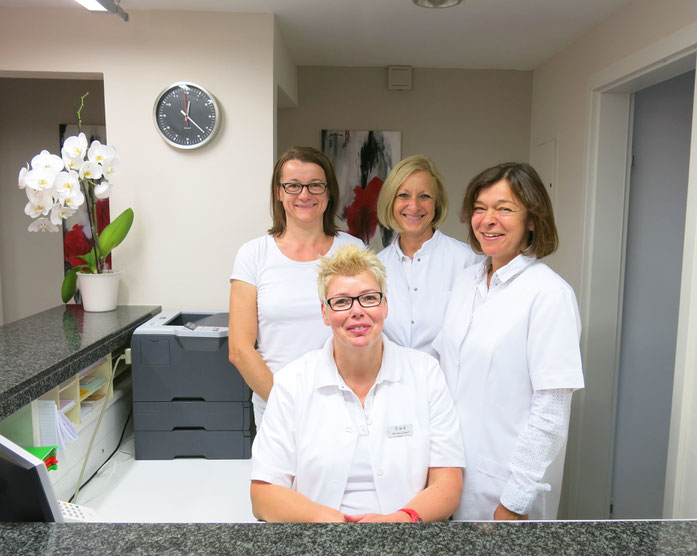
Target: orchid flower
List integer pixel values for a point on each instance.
(102, 190)
(72, 199)
(60, 213)
(42, 225)
(40, 179)
(66, 183)
(103, 154)
(47, 160)
(90, 170)
(75, 147)
(73, 151)
(21, 183)
(40, 203)
(112, 166)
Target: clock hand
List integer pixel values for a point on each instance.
(193, 122)
(187, 105)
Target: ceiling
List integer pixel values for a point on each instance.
(477, 34)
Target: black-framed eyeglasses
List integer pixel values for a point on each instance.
(345, 302)
(294, 188)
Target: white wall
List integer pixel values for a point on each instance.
(561, 107)
(192, 209)
(465, 120)
(31, 264)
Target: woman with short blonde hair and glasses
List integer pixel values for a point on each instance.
(363, 429)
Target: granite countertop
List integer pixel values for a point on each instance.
(539, 538)
(39, 352)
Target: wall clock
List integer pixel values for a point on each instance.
(186, 115)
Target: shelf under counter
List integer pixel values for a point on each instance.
(42, 351)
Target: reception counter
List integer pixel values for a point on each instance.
(540, 538)
(39, 352)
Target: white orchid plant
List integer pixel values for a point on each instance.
(57, 186)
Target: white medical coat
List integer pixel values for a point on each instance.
(417, 305)
(307, 439)
(522, 337)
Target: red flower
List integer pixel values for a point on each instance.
(75, 243)
(362, 214)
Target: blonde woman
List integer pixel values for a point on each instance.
(361, 430)
(421, 262)
(273, 300)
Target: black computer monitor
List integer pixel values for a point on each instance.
(26, 493)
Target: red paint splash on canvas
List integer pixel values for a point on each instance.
(362, 214)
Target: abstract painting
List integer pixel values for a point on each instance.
(362, 160)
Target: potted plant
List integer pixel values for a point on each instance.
(56, 187)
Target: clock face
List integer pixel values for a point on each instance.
(186, 115)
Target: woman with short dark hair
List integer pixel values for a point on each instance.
(273, 301)
(509, 348)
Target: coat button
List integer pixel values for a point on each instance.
(379, 472)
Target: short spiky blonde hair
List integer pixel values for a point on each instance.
(349, 260)
(398, 175)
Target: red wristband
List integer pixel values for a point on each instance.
(413, 514)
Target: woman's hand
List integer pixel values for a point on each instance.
(328, 515)
(396, 517)
(502, 513)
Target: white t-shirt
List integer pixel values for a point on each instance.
(418, 289)
(308, 439)
(498, 347)
(288, 305)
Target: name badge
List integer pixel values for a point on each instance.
(398, 431)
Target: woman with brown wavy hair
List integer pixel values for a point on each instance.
(273, 300)
(509, 348)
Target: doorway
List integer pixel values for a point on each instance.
(653, 252)
(591, 447)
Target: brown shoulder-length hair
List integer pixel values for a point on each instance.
(528, 188)
(304, 154)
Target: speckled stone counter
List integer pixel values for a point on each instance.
(568, 538)
(41, 351)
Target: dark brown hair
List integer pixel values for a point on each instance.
(304, 154)
(527, 187)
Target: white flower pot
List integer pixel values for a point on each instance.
(99, 291)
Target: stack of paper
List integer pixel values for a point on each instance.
(66, 430)
(55, 429)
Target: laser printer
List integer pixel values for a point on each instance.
(188, 399)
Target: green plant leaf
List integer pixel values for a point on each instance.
(89, 260)
(115, 232)
(69, 284)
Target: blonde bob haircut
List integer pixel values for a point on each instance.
(349, 260)
(398, 175)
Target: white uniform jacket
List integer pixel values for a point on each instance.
(523, 336)
(307, 439)
(417, 305)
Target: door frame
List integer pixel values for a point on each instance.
(591, 441)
